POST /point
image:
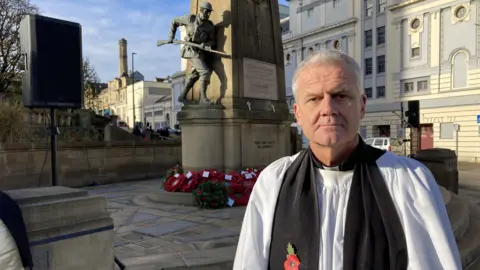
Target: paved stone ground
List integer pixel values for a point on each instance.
(151, 235)
(160, 236)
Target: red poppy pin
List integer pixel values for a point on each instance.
(292, 262)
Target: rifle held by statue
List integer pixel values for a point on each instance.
(163, 42)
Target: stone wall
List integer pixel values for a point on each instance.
(82, 164)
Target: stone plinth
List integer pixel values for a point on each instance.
(67, 229)
(224, 140)
(465, 221)
(250, 125)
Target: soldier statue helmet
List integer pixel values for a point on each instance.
(199, 30)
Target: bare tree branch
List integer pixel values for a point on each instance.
(11, 13)
(91, 83)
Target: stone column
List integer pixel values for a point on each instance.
(250, 125)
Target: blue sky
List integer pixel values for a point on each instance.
(140, 22)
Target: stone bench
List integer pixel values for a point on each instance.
(67, 229)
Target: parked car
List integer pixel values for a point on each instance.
(386, 143)
(175, 131)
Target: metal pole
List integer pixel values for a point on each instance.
(403, 127)
(133, 89)
(53, 145)
(456, 142)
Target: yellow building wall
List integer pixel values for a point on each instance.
(468, 135)
(441, 86)
(468, 145)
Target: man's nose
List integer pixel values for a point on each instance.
(328, 106)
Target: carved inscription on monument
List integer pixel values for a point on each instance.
(41, 257)
(264, 144)
(260, 80)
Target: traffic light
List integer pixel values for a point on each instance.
(413, 113)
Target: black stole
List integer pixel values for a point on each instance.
(11, 215)
(374, 238)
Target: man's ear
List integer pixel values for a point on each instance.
(363, 104)
(296, 112)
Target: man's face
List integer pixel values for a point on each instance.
(329, 106)
(205, 14)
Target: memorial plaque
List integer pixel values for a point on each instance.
(262, 145)
(260, 80)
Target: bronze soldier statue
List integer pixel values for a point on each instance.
(200, 30)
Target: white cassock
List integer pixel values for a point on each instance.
(9, 256)
(414, 191)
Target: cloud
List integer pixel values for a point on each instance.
(140, 22)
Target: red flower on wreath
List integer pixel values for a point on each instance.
(191, 182)
(174, 184)
(292, 262)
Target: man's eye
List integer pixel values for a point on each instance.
(341, 96)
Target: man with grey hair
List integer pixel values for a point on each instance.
(342, 204)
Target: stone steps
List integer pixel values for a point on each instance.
(218, 258)
(458, 213)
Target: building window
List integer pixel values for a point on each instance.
(363, 131)
(380, 35)
(368, 38)
(368, 8)
(415, 52)
(310, 12)
(368, 66)
(380, 91)
(328, 44)
(368, 92)
(415, 24)
(335, 3)
(460, 70)
(422, 85)
(336, 44)
(381, 64)
(460, 12)
(287, 58)
(408, 87)
(310, 51)
(382, 5)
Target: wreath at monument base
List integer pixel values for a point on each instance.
(169, 185)
(211, 195)
(213, 189)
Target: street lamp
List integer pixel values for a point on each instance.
(133, 88)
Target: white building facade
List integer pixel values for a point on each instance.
(124, 101)
(159, 114)
(314, 25)
(437, 62)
